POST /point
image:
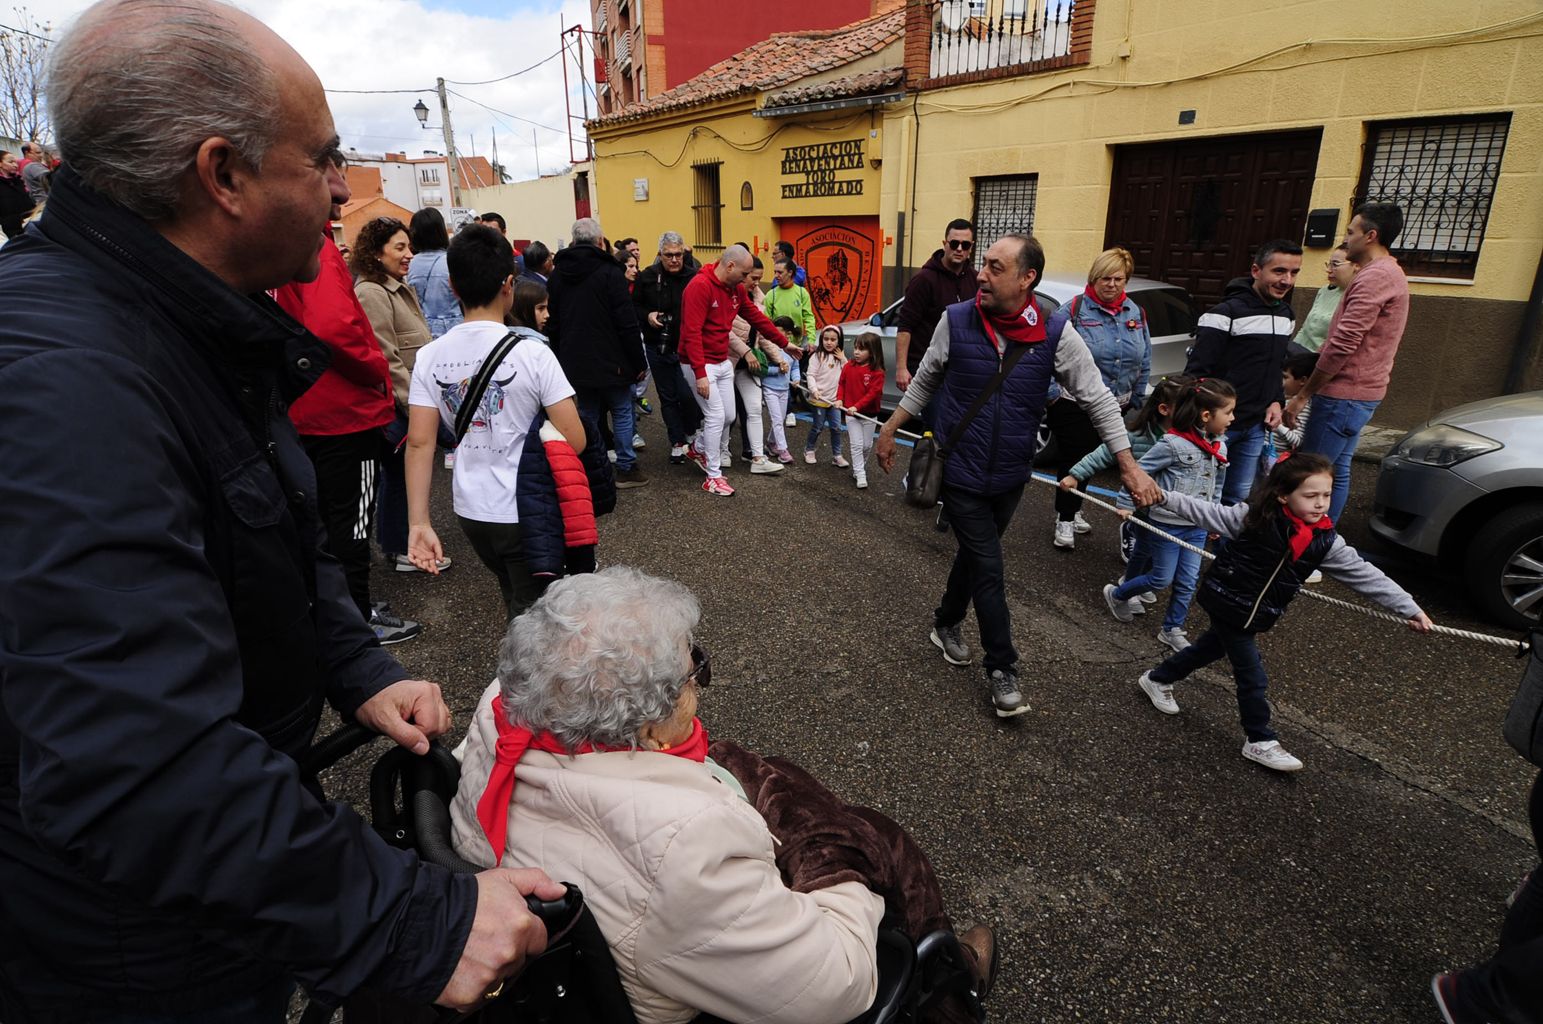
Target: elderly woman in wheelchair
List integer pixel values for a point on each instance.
(728, 886)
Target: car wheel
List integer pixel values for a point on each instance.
(1505, 566)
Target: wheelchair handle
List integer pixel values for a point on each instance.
(560, 914)
(329, 750)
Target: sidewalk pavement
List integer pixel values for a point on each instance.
(1375, 442)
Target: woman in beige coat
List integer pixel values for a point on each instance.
(379, 260)
(587, 760)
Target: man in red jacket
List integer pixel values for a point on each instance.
(339, 421)
(707, 310)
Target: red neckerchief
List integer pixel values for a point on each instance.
(1302, 532)
(1211, 448)
(515, 740)
(1025, 326)
(1113, 310)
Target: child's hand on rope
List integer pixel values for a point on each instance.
(1068, 483)
(1421, 623)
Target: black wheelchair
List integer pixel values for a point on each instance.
(575, 981)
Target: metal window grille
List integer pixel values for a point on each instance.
(977, 35)
(1003, 206)
(1442, 174)
(709, 203)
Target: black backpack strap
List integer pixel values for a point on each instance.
(479, 384)
(1015, 352)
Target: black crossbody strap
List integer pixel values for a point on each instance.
(479, 384)
(1015, 352)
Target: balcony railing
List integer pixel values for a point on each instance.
(600, 15)
(624, 50)
(984, 35)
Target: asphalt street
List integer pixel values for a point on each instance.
(1136, 867)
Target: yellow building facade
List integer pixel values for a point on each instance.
(1192, 130)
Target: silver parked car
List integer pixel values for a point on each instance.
(1169, 311)
(1466, 488)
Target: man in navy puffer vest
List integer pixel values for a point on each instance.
(985, 471)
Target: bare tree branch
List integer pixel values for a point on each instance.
(23, 56)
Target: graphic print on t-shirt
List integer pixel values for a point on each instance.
(454, 393)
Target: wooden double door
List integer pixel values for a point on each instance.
(1192, 211)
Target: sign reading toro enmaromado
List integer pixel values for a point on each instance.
(818, 164)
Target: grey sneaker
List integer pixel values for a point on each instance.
(948, 640)
(391, 628)
(1176, 639)
(1005, 693)
(1120, 609)
(1160, 694)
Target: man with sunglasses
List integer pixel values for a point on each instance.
(656, 293)
(946, 278)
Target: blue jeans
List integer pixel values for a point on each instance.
(1238, 647)
(594, 402)
(979, 575)
(1333, 431)
(1243, 450)
(825, 418)
(1168, 564)
(681, 416)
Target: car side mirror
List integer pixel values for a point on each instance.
(876, 320)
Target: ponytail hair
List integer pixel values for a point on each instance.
(1285, 477)
(1203, 394)
(1165, 392)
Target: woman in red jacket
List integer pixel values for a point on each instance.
(859, 393)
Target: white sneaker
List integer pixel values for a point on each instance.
(840, 462)
(450, 460)
(810, 458)
(725, 459)
(790, 420)
(1316, 577)
(1118, 608)
(1138, 604)
(1064, 535)
(1147, 597)
(862, 483)
(1080, 524)
(638, 442)
(1177, 639)
(611, 454)
(1160, 694)
(677, 453)
(761, 464)
(1272, 755)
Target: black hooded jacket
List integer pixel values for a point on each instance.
(593, 324)
(169, 631)
(1242, 340)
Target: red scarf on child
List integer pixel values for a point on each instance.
(515, 740)
(1112, 308)
(1025, 326)
(1302, 532)
(1211, 448)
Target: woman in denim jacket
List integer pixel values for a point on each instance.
(428, 274)
(1116, 332)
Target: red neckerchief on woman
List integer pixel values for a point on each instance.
(515, 740)
(1025, 326)
(1112, 309)
(1302, 532)
(1211, 448)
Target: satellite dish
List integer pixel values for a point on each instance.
(954, 13)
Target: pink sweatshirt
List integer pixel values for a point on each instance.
(1365, 332)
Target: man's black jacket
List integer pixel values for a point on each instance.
(1242, 340)
(658, 291)
(169, 630)
(593, 325)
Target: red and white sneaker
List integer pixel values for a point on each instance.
(719, 486)
(697, 458)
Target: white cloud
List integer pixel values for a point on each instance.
(401, 44)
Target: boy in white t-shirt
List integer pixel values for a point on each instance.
(527, 381)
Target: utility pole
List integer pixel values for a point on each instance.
(535, 148)
(444, 122)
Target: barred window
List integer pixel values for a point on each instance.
(1442, 173)
(1003, 205)
(709, 204)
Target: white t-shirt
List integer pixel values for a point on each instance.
(488, 461)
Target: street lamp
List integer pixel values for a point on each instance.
(421, 112)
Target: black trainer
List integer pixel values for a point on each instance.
(1005, 694)
(391, 628)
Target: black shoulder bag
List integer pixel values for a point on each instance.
(924, 481)
(479, 384)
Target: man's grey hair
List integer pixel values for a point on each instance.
(735, 254)
(671, 238)
(136, 86)
(586, 231)
(598, 657)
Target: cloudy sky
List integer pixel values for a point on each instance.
(406, 44)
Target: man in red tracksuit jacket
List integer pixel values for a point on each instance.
(339, 421)
(707, 310)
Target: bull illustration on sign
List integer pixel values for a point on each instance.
(839, 261)
(492, 403)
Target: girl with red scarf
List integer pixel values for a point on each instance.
(1190, 459)
(1279, 538)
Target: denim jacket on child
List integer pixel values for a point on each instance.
(1101, 458)
(776, 380)
(1178, 466)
